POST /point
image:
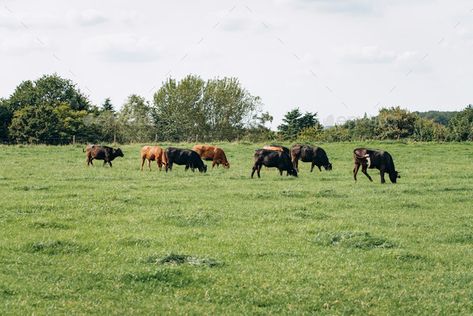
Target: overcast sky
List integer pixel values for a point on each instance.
(340, 58)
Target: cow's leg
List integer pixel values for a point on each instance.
(355, 170)
(280, 172)
(110, 163)
(214, 163)
(104, 163)
(142, 163)
(253, 171)
(381, 172)
(364, 168)
(149, 164)
(312, 166)
(160, 164)
(259, 169)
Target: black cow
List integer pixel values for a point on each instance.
(381, 160)
(271, 158)
(316, 155)
(105, 153)
(186, 157)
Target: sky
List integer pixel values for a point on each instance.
(339, 58)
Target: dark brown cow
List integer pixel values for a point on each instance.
(213, 153)
(381, 160)
(105, 153)
(152, 153)
(316, 155)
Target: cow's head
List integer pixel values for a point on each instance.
(328, 166)
(226, 164)
(393, 176)
(204, 169)
(292, 172)
(118, 152)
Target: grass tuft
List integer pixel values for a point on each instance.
(359, 240)
(55, 247)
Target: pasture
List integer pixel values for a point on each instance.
(78, 239)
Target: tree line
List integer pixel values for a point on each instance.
(52, 110)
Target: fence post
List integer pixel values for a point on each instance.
(156, 138)
(114, 138)
(73, 139)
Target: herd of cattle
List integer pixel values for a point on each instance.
(271, 156)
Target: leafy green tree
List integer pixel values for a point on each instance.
(135, 120)
(461, 125)
(5, 118)
(107, 106)
(294, 122)
(49, 89)
(218, 109)
(258, 131)
(35, 124)
(362, 128)
(48, 110)
(395, 123)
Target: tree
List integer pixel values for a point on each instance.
(48, 110)
(461, 125)
(395, 123)
(135, 120)
(49, 89)
(107, 106)
(217, 109)
(6, 115)
(258, 131)
(35, 124)
(294, 122)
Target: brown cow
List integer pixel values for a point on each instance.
(152, 153)
(105, 153)
(277, 148)
(214, 153)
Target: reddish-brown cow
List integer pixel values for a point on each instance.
(213, 153)
(152, 153)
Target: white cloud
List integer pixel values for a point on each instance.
(88, 17)
(124, 47)
(369, 55)
(20, 45)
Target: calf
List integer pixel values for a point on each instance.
(213, 153)
(152, 153)
(381, 160)
(186, 157)
(316, 155)
(271, 158)
(105, 153)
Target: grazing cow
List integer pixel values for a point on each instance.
(213, 153)
(381, 160)
(152, 153)
(186, 157)
(277, 148)
(272, 158)
(316, 155)
(105, 153)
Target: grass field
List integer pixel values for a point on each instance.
(119, 241)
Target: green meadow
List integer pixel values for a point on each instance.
(100, 240)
